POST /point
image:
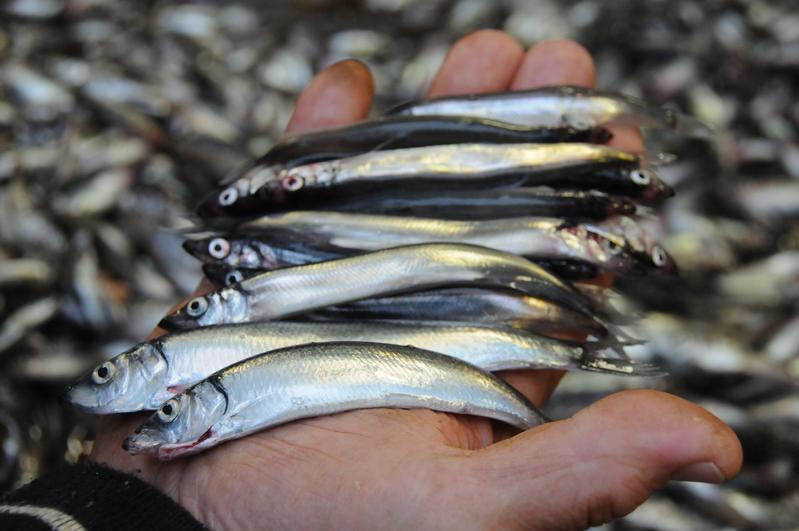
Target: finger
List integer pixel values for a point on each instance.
(601, 463)
(557, 62)
(564, 62)
(483, 61)
(340, 94)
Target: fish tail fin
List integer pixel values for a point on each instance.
(688, 125)
(618, 361)
(621, 367)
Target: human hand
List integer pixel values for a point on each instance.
(423, 469)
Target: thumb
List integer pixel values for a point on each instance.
(602, 463)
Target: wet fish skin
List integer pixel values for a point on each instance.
(323, 379)
(471, 305)
(552, 239)
(221, 275)
(151, 372)
(396, 132)
(579, 107)
(296, 290)
(450, 167)
(491, 204)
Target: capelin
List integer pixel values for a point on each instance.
(181, 424)
(227, 305)
(123, 384)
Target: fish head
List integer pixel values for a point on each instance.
(300, 187)
(607, 250)
(228, 305)
(650, 186)
(241, 197)
(128, 382)
(641, 244)
(213, 249)
(183, 424)
(661, 260)
(221, 275)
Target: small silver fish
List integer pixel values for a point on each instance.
(432, 168)
(578, 107)
(296, 290)
(322, 379)
(151, 372)
(474, 306)
(607, 245)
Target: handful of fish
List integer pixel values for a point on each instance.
(358, 285)
(116, 121)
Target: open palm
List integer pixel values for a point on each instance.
(422, 469)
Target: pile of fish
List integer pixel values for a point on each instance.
(232, 365)
(116, 118)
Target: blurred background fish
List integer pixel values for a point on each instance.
(118, 117)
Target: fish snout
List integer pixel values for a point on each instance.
(143, 440)
(178, 321)
(82, 397)
(196, 248)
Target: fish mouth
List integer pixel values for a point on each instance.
(143, 442)
(83, 399)
(195, 248)
(178, 321)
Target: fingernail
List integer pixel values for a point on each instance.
(701, 472)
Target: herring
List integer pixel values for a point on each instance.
(323, 379)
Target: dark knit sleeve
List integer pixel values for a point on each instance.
(92, 497)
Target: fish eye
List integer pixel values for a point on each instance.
(292, 183)
(103, 373)
(641, 177)
(658, 256)
(228, 196)
(197, 307)
(168, 411)
(219, 248)
(234, 277)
